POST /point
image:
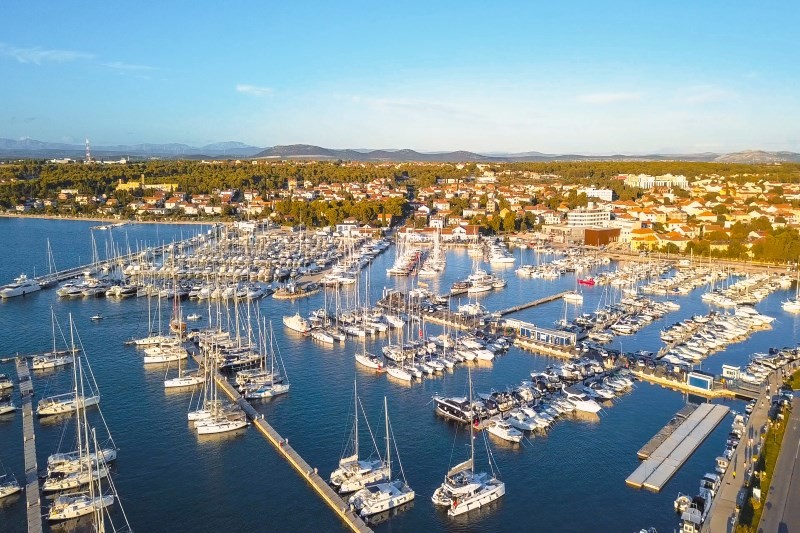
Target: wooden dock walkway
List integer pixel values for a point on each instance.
(328, 495)
(534, 303)
(29, 442)
(659, 438)
(664, 461)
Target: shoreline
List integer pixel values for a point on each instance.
(114, 220)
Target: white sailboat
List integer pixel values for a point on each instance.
(54, 359)
(386, 495)
(95, 502)
(274, 386)
(365, 358)
(72, 401)
(353, 473)
(213, 417)
(72, 470)
(792, 305)
(8, 484)
(463, 489)
(185, 378)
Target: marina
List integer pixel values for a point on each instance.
(660, 465)
(311, 415)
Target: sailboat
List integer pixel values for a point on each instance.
(792, 305)
(8, 484)
(185, 378)
(463, 489)
(354, 474)
(54, 359)
(72, 470)
(364, 357)
(72, 401)
(382, 496)
(93, 501)
(275, 386)
(212, 417)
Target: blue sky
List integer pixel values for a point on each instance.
(586, 77)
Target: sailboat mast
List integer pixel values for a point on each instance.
(388, 448)
(471, 421)
(355, 414)
(53, 321)
(75, 364)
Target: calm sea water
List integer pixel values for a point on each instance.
(168, 478)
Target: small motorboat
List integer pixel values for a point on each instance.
(98, 316)
(193, 316)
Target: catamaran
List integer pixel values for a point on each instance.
(354, 474)
(385, 495)
(463, 489)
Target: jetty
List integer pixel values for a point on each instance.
(669, 456)
(533, 303)
(29, 442)
(320, 486)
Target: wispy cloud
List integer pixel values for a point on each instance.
(38, 55)
(609, 97)
(253, 90)
(128, 67)
(705, 94)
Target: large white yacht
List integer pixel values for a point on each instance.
(21, 286)
(297, 323)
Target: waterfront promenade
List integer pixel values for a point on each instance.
(723, 513)
(781, 510)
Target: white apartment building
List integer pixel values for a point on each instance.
(585, 218)
(626, 226)
(645, 181)
(603, 194)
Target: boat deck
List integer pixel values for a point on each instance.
(29, 442)
(328, 495)
(664, 461)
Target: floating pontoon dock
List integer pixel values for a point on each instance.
(664, 461)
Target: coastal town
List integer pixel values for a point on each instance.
(632, 242)
(740, 216)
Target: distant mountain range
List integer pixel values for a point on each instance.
(30, 148)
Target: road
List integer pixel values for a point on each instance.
(723, 512)
(782, 508)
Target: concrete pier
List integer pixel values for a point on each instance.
(29, 442)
